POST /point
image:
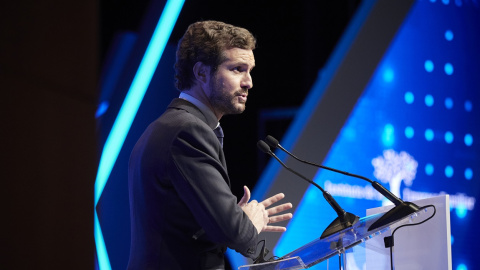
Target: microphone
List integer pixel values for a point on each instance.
(401, 209)
(344, 219)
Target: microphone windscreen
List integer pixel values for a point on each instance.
(263, 146)
(272, 142)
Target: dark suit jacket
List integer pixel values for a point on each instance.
(178, 186)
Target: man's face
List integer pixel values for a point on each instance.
(230, 83)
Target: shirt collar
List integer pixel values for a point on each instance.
(212, 121)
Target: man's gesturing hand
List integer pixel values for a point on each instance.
(260, 216)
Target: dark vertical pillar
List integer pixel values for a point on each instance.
(48, 74)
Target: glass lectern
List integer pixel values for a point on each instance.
(339, 244)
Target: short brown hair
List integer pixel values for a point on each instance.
(205, 42)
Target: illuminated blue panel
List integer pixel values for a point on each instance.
(409, 97)
(468, 106)
(428, 61)
(448, 69)
(429, 169)
(388, 135)
(429, 135)
(127, 113)
(448, 103)
(409, 132)
(449, 35)
(448, 137)
(468, 140)
(468, 174)
(449, 171)
(429, 66)
(429, 101)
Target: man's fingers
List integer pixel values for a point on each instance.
(278, 209)
(273, 199)
(276, 219)
(246, 196)
(279, 218)
(269, 214)
(274, 229)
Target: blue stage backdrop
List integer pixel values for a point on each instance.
(413, 126)
(398, 102)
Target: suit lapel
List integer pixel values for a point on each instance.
(189, 107)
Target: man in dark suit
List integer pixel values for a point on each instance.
(183, 213)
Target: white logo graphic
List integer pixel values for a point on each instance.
(393, 167)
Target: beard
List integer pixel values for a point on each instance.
(223, 101)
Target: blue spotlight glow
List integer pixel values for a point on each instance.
(409, 132)
(468, 140)
(448, 137)
(409, 97)
(452, 239)
(462, 267)
(429, 66)
(446, 2)
(429, 100)
(127, 113)
(388, 135)
(449, 171)
(468, 174)
(461, 211)
(449, 35)
(388, 75)
(468, 106)
(448, 103)
(102, 108)
(429, 135)
(429, 169)
(448, 69)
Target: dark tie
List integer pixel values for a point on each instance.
(219, 132)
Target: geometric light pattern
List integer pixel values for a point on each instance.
(127, 112)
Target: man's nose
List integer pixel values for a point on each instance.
(247, 81)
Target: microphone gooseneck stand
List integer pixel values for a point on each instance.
(344, 219)
(400, 210)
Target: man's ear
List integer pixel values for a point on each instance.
(201, 72)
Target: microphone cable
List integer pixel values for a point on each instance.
(388, 240)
